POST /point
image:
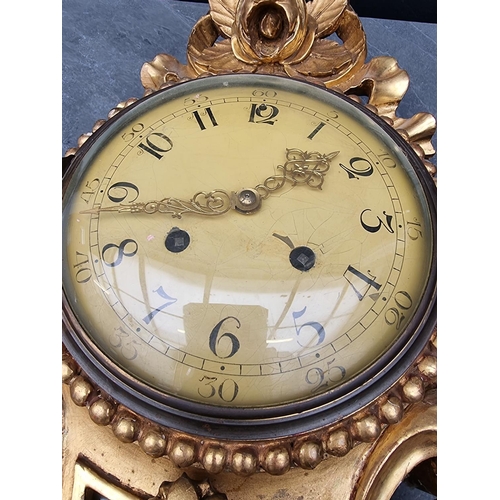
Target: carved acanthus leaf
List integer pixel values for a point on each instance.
(326, 57)
(204, 35)
(420, 129)
(223, 13)
(390, 84)
(163, 69)
(220, 58)
(382, 80)
(307, 43)
(327, 14)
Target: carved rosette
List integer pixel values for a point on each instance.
(286, 37)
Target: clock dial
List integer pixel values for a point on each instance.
(312, 293)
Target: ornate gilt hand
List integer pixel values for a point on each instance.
(300, 168)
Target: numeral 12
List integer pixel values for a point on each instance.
(263, 113)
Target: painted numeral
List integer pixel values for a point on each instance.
(414, 230)
(117, 258)
(157, 143)
(168, 302)
(120, 339)
(263, 113)
(89, 190)
(208, 112)
(320, 378)
(360, 282)
(395, 315)
(136, 128)
(120, 190)
(227, 390)
(358, 167)
(83, 273)
(231, 345)
(319, 335)
(387, 224)
(316, 130)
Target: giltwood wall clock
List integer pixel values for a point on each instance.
(249, 270)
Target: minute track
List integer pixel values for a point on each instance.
(280, 340)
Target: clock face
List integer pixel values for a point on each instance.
(176, 289)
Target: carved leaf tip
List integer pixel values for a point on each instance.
(163, 69)
(223, 13)
(327, 14)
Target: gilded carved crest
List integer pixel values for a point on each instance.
(270, 36)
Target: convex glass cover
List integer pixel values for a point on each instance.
(243, 242)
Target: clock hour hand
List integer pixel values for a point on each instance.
(300, 168)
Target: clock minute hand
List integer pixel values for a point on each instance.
(300, 168)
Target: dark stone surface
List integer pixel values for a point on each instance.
(104, 45)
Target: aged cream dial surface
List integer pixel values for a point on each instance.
(309, 297)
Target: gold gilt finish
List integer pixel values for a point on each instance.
(120, 471)
(124, 456)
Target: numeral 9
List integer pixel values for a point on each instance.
(120, 190)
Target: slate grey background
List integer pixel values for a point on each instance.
(105, 43)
